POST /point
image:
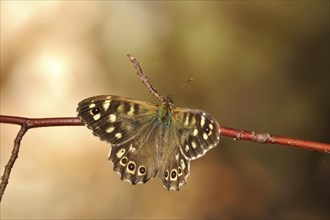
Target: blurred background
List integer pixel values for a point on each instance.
(261, 66)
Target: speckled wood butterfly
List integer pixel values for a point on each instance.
(149, 140)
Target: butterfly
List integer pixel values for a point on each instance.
(148, 140)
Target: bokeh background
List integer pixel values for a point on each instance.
(261, 66)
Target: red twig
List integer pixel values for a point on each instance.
(10, 164)
(224, 131)
(27, 123)
(267, 138)
(40, 122)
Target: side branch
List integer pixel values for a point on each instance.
(10, 164)
(26, 124)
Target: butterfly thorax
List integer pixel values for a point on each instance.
(164, 112)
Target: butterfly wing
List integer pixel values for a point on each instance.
(197, 132)
(191, 134)
(125, 124)
(174, 168)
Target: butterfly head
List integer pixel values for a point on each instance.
(168, 100)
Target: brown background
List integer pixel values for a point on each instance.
(261, 66)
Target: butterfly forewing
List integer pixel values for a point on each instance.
(197, 132)
(115, 119)
(127, 125)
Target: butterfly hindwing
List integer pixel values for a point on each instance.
(174, 170)
(141, 153)
(133, 162)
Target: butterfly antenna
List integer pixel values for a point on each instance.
(182, 86)
(145, 79)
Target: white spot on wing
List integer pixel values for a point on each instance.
(187, 148)
(92, 105)
(106, 104)
(141, 174)
(181, 184)
(118, 135)
(176, 176)
(179, 172)
(193, 121)
(193, 144)
(202, 121)
(121, 107)
(110, 129)
(112, 118)
(131, 148)
(128, 165)
(205, 136)
(120, 153)
(131, 110)
(195, 132)
(97, 116)
(186, 122)
(128, 180)
(121, 161)
(183, 165)
(166, 172)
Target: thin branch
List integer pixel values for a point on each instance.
(237, 134)
(10, 164)
(40, 122)
(266, 138)
(27, 123)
